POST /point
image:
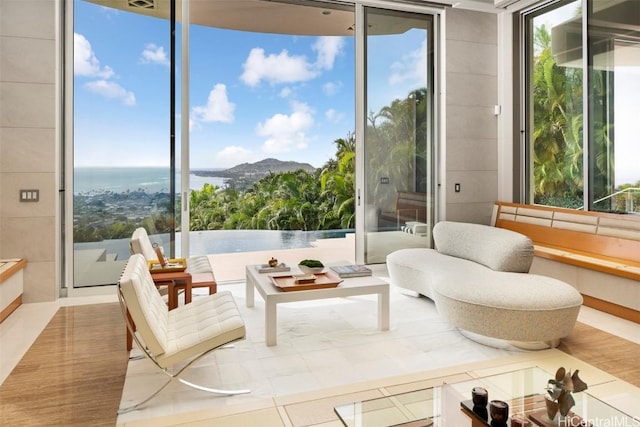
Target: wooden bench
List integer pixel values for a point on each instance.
(597, 241)
(410, 207)
(11, 285)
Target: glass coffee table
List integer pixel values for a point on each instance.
(447, 405)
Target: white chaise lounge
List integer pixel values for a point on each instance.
(478, 278)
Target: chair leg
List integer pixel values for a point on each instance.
(139, 404)
(214, 390)
(187, 383)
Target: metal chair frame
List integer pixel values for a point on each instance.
(173, 376)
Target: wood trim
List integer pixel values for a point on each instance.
(605, 254)
(611, 308)
(570, 211)
(19, 265)
(585, 243)
(10, 308)
(620, 272)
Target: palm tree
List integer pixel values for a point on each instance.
(557, 138)
(557, 134)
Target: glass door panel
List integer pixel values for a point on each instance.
(614, 106)
(398, 134)
(555, 175)
(271, 143)
(121, 155)
(582, 136)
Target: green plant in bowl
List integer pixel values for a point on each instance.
(312, 266)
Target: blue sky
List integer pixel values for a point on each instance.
(252, 95)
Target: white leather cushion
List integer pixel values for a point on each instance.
(141, 244)
(146, 307)
(497, 248)
(206, 323)
(199, 264)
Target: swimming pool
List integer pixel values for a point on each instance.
(225, 241)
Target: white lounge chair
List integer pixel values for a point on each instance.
(199, 266)
(140, 243)
(184, 334)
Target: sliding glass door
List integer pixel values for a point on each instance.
(396, 190)
(121, 150)
(267, 142)
(271, 123)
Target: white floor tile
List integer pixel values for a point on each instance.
(320, 344)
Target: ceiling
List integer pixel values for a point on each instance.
(267, 16)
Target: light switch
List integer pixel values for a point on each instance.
(29, 195)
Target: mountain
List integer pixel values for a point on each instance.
(258, 169)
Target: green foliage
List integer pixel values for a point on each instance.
(110, 216)
(298, 200)
(325, 200)
(557, 137)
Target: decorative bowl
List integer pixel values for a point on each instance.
(310, 270)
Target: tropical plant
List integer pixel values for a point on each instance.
(557, 138)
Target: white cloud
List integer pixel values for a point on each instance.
(281, 68)
(85, 62)
(112, 90)
(328, 48)
(285, 92)
(218, 108)
(412, 69)
(232, 155)
(331, 88)
(153, 54)
(286, 132)
(334, 116)
(286, 68)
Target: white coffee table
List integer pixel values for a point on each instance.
(274, 296)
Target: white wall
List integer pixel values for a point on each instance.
(28, 141)
(471, 136)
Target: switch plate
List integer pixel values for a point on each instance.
(456, 187)
(384, 180)
(29, 195)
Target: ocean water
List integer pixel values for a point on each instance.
(120, 180)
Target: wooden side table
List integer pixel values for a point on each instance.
(202, 280)
(174, 281)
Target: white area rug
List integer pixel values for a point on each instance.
(321, 344)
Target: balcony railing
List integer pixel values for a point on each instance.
(627, 201)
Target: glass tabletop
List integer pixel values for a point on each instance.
(449, 405)
(399, 409)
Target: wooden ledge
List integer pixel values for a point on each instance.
(603, 264)
(9, 267)
(612, 308)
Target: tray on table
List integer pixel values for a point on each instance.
(172, 265)
(322, 280)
